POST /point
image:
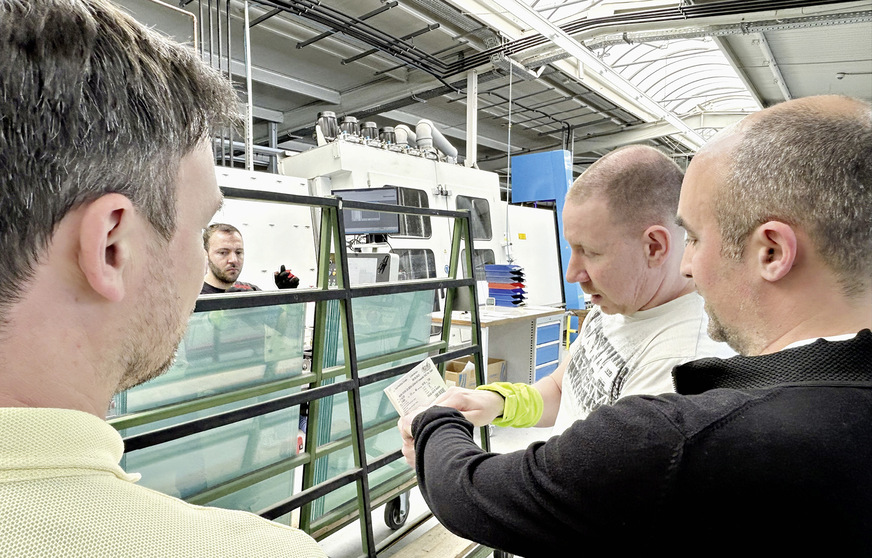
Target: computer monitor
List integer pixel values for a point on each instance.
(371, 223)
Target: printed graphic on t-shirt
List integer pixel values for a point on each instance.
(596, 372)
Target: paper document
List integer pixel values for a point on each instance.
(418, 387)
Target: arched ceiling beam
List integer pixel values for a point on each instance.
(646, 132)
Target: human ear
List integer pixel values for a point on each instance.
(774, 245)
(657, 242)
(105, 233)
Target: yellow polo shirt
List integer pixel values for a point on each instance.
(63, 494)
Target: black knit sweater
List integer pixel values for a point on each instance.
(759, 454)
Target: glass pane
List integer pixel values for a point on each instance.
(388, 323)
(190, 465)
(480, 222)
(382, 324)
(376, 410)
(223, 351)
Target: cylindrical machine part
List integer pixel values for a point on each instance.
(405, 136)
(429, 137)
(370, 130)
(350, 126)
(387, 134)
(329, 126)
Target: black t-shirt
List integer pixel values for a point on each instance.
(238, 286)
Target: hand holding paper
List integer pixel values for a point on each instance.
(419, 387)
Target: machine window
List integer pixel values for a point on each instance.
(415, 263)
(480, 220)
(480, 258)
(414, 226)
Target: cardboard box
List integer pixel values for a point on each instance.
(454, 376)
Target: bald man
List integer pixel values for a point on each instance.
(619, 221)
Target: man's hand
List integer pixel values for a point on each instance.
(405, 426)
(478, 406)
(285, 279)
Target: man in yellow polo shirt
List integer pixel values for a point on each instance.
(106, 184)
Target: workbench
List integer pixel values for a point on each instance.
(528, 338)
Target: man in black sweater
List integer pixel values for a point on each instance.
(765, 452)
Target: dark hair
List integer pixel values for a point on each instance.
(219, 227)
(640, 184)
(91, 103)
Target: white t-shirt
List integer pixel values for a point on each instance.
(618, 355)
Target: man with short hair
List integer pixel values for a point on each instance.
(763, 453)
(106, 182)
(225, 254)
(619, 220)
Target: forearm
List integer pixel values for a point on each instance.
(577, 486)
(551, 393)
(477, 495)
(517, 405)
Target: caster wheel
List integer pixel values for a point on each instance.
(397, 511)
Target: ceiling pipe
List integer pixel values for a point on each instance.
(751, 10)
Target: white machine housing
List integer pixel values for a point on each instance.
(529, 233)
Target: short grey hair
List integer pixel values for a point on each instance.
(91, 103)
(810, 168)
(640, 184)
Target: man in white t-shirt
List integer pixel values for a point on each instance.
(626, 252)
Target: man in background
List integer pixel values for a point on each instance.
(106, 183)
(765, 453)
(225, 254)
(619, 221)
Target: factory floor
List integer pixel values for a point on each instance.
(345, 543)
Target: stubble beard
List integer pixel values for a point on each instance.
(718, 331)
(155, 333)
(221, 275)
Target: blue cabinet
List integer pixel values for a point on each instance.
(546, 346)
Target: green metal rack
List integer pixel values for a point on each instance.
(224, 439)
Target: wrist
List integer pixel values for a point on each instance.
(522, 404)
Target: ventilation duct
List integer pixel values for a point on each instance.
(405, 136)
(429, 137)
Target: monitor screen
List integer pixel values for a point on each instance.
(359, 221)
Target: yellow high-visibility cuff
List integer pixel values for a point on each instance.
(523, 407)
